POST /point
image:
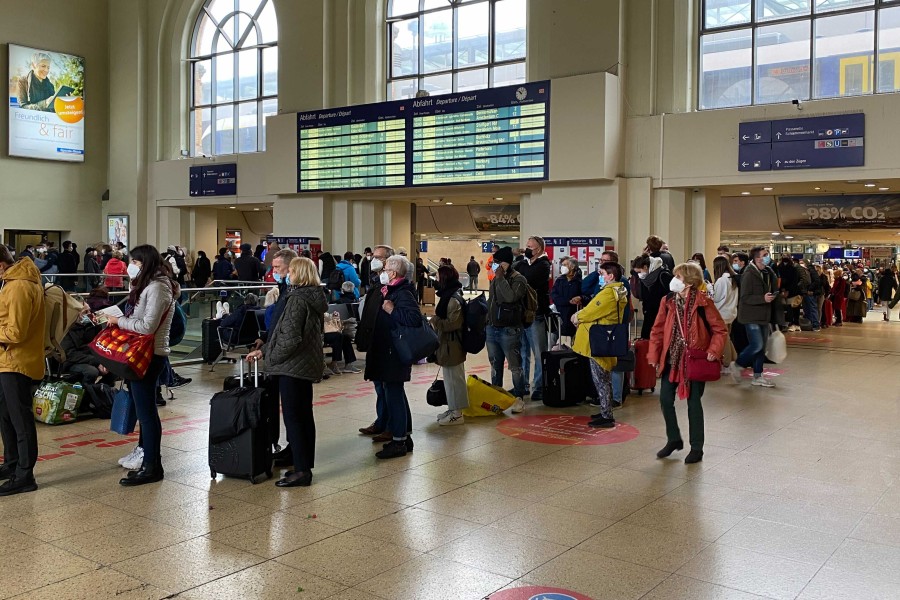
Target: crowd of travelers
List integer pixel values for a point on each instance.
(690, 315)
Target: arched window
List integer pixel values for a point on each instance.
(234, 76)
(444, 46)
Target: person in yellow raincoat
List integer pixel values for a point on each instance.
(606, 308)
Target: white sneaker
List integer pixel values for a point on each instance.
(443, 415)
(763, 382)
(794, 328)
(452, 417)
(735, 371)
(220, 310)
(518, 406)
(227, 308)
(133, 461)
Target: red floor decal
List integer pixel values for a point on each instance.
(566, 430)
(537, 593)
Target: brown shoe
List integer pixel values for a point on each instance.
(384, 436)
(370, 430)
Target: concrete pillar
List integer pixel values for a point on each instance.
(579, 210)
(364, 232)
(169, 227)
(670, 222)
(398, 225)
(706, 231)
(203, 235)
(301, 217)
(341, 226)
(636, 218)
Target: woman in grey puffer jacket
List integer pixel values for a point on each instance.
(294, 354)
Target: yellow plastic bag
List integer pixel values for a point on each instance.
(486, 400)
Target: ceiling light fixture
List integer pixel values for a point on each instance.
(775, 233)
(870, 185)
(883, 189)
(788, 237)
(515, 237)
(498, 198)
(448, 203)
(768, 189)
(436, 200)
(745, 193)
(817, 188)
(255, 209)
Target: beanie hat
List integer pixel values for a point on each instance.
(503, 255)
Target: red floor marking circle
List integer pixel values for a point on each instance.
(766, 372)
(537, 593)
(564, 430)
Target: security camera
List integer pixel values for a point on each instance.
(797, 103)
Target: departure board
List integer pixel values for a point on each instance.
(482, 136)
(352, 148)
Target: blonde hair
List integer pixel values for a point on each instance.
(690, 274)
(303, 272)
(838, 272)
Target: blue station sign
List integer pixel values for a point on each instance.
(809, 143)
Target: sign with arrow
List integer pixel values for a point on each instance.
(810, 143)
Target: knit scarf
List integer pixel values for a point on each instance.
(684, 315)
(445, 293)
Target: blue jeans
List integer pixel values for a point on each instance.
(755, 353)
(811, 310)
(534, 343)
(618, 386)
(395, 415)
(504, 343)
(144, 393)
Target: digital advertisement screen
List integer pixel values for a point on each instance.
(482, 136)
(352, 148)
(46, 104)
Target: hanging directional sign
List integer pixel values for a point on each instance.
(809, 143)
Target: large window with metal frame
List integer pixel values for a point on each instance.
(444, 46)
(766, 51)
(234, 76)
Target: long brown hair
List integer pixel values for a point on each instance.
(152, 266)
(722, 265)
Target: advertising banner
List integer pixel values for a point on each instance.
(117, 230)
(495, 218)
(46, 104)
(879, 211)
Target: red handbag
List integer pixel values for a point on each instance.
(124, 353)
(700, 369)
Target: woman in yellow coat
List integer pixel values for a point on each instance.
(606, 308)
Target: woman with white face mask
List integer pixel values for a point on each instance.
(152, 297)
(687, 321)
(566, 294)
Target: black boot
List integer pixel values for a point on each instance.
(144, 476)
(409, 443)
(393, 449)
(694, 456)
(670, 448)
(18, 486)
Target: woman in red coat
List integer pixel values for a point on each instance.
(839, 291)
(687, 319)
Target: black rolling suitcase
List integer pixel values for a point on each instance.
(567, 378)
(272, 404)
(240, 431)
(209, 344)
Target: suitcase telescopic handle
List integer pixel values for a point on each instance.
(255, 371)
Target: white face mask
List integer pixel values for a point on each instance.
(564, 270)
(677, 285)
(376, 265)
(642, 275)
(383, 278)
(133, 271)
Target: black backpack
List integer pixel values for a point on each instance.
(336, 279)
(475, 311)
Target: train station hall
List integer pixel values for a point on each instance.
(450, 300)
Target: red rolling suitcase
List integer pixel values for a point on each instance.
(828, 313)
(644, 374)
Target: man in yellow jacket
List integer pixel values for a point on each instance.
(21, 362)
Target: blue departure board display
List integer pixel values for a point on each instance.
(483, 136)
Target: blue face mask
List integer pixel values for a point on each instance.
(495, 266)
(602, 283)
(767, 260)
(736, 266)
(279, 278)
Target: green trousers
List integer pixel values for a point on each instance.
(667, 394)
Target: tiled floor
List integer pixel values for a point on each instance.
(798, 496)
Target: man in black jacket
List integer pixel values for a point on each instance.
(655, 279)
(249, 268)
(535, 267)
(811, 298)
(79, 357)
(473, 269)
(68, 265)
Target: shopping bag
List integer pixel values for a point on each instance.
(776, 347)
(56, 402)
(486, 400)
(124, 414)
